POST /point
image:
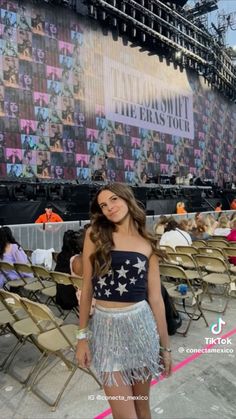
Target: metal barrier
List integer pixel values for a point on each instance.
(50, 235)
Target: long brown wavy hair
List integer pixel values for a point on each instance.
(102, 228)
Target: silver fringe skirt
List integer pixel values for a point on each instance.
(125, 340)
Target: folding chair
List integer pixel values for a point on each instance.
(217, 243)
(6, 268)
(167, 249)
(211, 251)
(178, 274)
(64, 279)
(199, 243)
(53, 342)
(186, 249)
(23, 328)
(230, 252)
(32, 283)
(189, 265)
(215, 271)
(48, 285)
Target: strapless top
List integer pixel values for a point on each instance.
(126, 281)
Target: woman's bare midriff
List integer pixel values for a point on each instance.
(113, 304)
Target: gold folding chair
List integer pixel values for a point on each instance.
(48, 284)
(23, 328)
(199, 243)
(211, 251)
(32, 283)
(189, 265)
(215, 271)
(178, 274)
(64, 279)
(217, 243)
(167, 249)
(190, 250)
(6, 268)
(53, 342)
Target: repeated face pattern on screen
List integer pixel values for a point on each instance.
(74, 101)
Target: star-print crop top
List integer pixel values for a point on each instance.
(126, 280)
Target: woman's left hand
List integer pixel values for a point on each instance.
(167, 362)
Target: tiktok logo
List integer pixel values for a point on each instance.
(216, 328)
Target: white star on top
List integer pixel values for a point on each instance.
(102, 282)
(107, 293)
(127, 262)
(112, 282)
(133, 280)
(122, 272)
(140, 265)
(121, 288)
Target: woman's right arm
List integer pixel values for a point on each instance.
(83, 353)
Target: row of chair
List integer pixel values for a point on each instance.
(34, 322)
(35, 280)
(199, 272)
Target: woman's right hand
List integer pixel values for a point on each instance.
(83, 354)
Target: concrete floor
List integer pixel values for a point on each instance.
(202, 385)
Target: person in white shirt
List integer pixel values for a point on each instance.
(223, 228)
(174, 236)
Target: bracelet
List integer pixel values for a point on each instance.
(83, 334)
(163, 349)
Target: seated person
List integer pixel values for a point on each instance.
(200, 231)
(72, 245)
(232, 238)
(11, 252)
(174, 235)
(223, 228)
(180, 208)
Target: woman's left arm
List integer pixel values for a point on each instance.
(157, 306)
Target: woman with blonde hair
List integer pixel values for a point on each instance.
(129, 317)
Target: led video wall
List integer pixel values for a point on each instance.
(74, 101)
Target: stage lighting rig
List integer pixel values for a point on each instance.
(160, 29)
(202, 8)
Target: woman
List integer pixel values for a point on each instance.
(72, 245)
(174, 235)
(11, 252)
(58, 172)
(124, 345)
(223, 228)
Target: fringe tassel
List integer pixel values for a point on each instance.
(125, 341)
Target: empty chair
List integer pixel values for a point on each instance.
(32, 284)
(167, 249)
(215, 272)
(199, 243)
(23, 327)
(211, 251)
(60, 342)
(186, 249)
(217, 243)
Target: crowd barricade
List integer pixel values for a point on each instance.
(50, 235)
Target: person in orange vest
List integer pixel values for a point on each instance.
(218, 207)
(180, 208)
(233, 204)
(49, 216)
